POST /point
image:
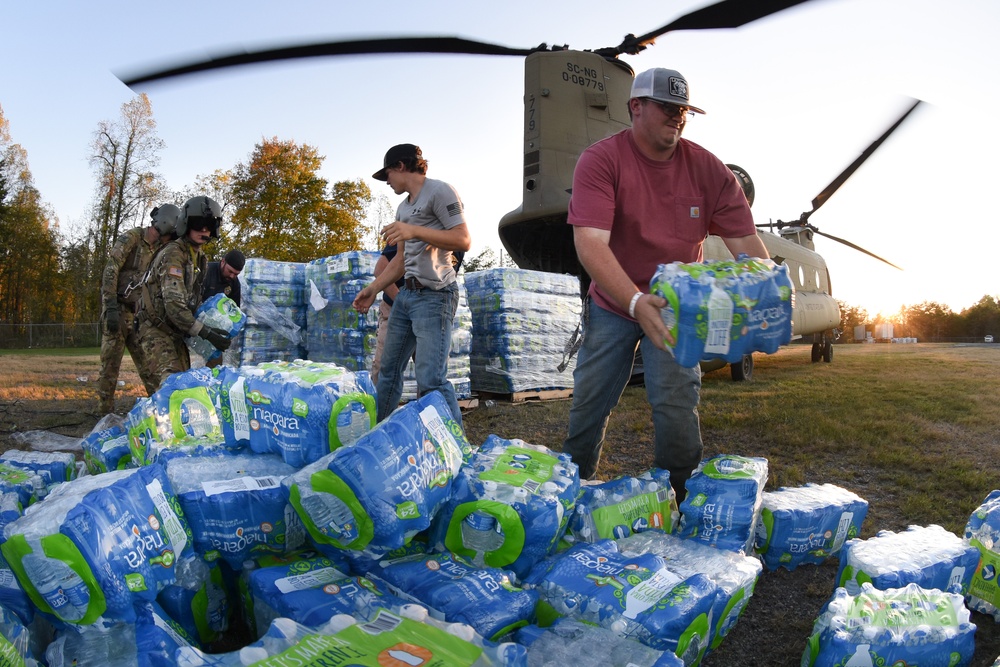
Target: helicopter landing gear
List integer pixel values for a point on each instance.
(822, 349)
(743, 371)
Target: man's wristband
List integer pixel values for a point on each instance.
(631, 304)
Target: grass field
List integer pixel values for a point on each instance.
(913, 429)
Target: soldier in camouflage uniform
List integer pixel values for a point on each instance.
(172, 293)
(130, 257)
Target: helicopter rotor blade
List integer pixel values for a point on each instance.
(856, 247)
(389, 45)
(725, 14)
(844, 175)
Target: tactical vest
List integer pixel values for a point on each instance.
(132, 271)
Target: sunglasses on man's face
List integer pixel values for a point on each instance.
(672, 110)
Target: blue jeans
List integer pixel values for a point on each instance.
(420, 320)
(603, 369)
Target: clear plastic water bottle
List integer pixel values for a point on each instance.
(330, 514)
(482, 534)
(196, 418)
(61, 588)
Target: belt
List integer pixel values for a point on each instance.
(413, 284)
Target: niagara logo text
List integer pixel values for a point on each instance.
(152, 542)
(275, 419)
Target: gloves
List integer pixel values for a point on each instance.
(112, 320)
(217, 337)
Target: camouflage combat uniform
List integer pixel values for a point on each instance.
(169, 300)
(129, 259)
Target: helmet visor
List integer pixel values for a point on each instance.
(198, 223)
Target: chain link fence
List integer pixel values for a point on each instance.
(24, 336)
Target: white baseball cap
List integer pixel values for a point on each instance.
(663, 85)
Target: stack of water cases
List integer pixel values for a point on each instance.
(724, 501)
(459, 365)
(725, 309)
(522, 324)
(928, 556)
(274, 300)
(335, 331)
(807, 524)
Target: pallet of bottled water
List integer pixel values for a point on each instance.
(910, 625)
(723, 502)
(522, 323)
(807, 524)
(335, 331)
(274, 300)
(734, 574)
(724, 309)
(510, 505)
(928, 556)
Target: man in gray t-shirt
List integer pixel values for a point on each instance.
(430, 226)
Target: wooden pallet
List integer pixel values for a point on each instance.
(468, 403)
(529, 395)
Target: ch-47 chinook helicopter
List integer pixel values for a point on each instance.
(572, 99)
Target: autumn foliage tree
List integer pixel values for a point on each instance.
(30, 278)
(285, 211)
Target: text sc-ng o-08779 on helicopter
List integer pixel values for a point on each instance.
(573, 98)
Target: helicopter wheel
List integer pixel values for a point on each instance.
(827, 350)
(743, 371)
(817, 352)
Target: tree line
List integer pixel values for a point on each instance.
(276, 206)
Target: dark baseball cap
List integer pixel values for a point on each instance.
(395, 155)
(235, 259)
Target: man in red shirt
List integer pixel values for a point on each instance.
(641, 198)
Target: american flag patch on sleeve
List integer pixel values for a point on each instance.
(455, 209)
(175, 272)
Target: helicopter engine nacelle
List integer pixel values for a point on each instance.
(571, 100)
